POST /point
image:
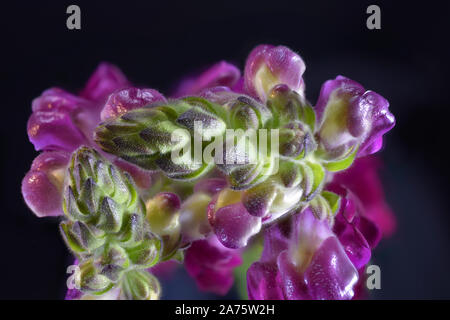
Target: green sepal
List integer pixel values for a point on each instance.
(146, 254)
(111, 216)
(259, 115)
(132, 230)
(214, 108)
(342, 164)
(308, 116)
(212, 125)
(140, 285)
(313, 178)
(333, 199)
(81, 238)
(91, 281)
(112, 262)
(290, 173)
(325, 205)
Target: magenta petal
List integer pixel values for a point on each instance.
(341, 86)
(211, 265)
(42, 185)
(124, 100)
(285, 66)
(56, 99)
(371, 148)
(220, 74)
(381, 121)
(275, 241)
(293, 281)
(331, 275)
(106, 79)
(366, 112)
(353, 242)
(308, 234)
(52, 160)
(220, 95)
(362, 179)
(263, 282)
(239, 86)
(369, 230)
(234, 226)
(54, 130)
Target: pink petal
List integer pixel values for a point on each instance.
(292, 281)
(211, 265)
(286, 67)
(362, 180)
(106, 79)
(234, 226)
(56, 99)
(41, 187)
(331, 275)
(124, 100)
(54, 130)
(220, 74)
(263, 282)
(353, 241)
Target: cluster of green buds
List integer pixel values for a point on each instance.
(107, 230)
(269, 152)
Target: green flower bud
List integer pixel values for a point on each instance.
(246, 113)
(140, 285)
(80, 237)
(290, 173)
(313, 179)
(295, 142)
(98, 193)
(325, 206)
(287, 105)
(105, 225)
(202, 123)
(162, 137)
(141, 135)
(91, 281)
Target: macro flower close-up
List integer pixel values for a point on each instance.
(117, 165)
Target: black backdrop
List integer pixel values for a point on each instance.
(155, 43)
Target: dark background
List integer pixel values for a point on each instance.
(156, 43)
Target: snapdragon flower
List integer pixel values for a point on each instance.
(303, 261)
(314, 197)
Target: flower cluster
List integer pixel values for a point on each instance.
(120, 165)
